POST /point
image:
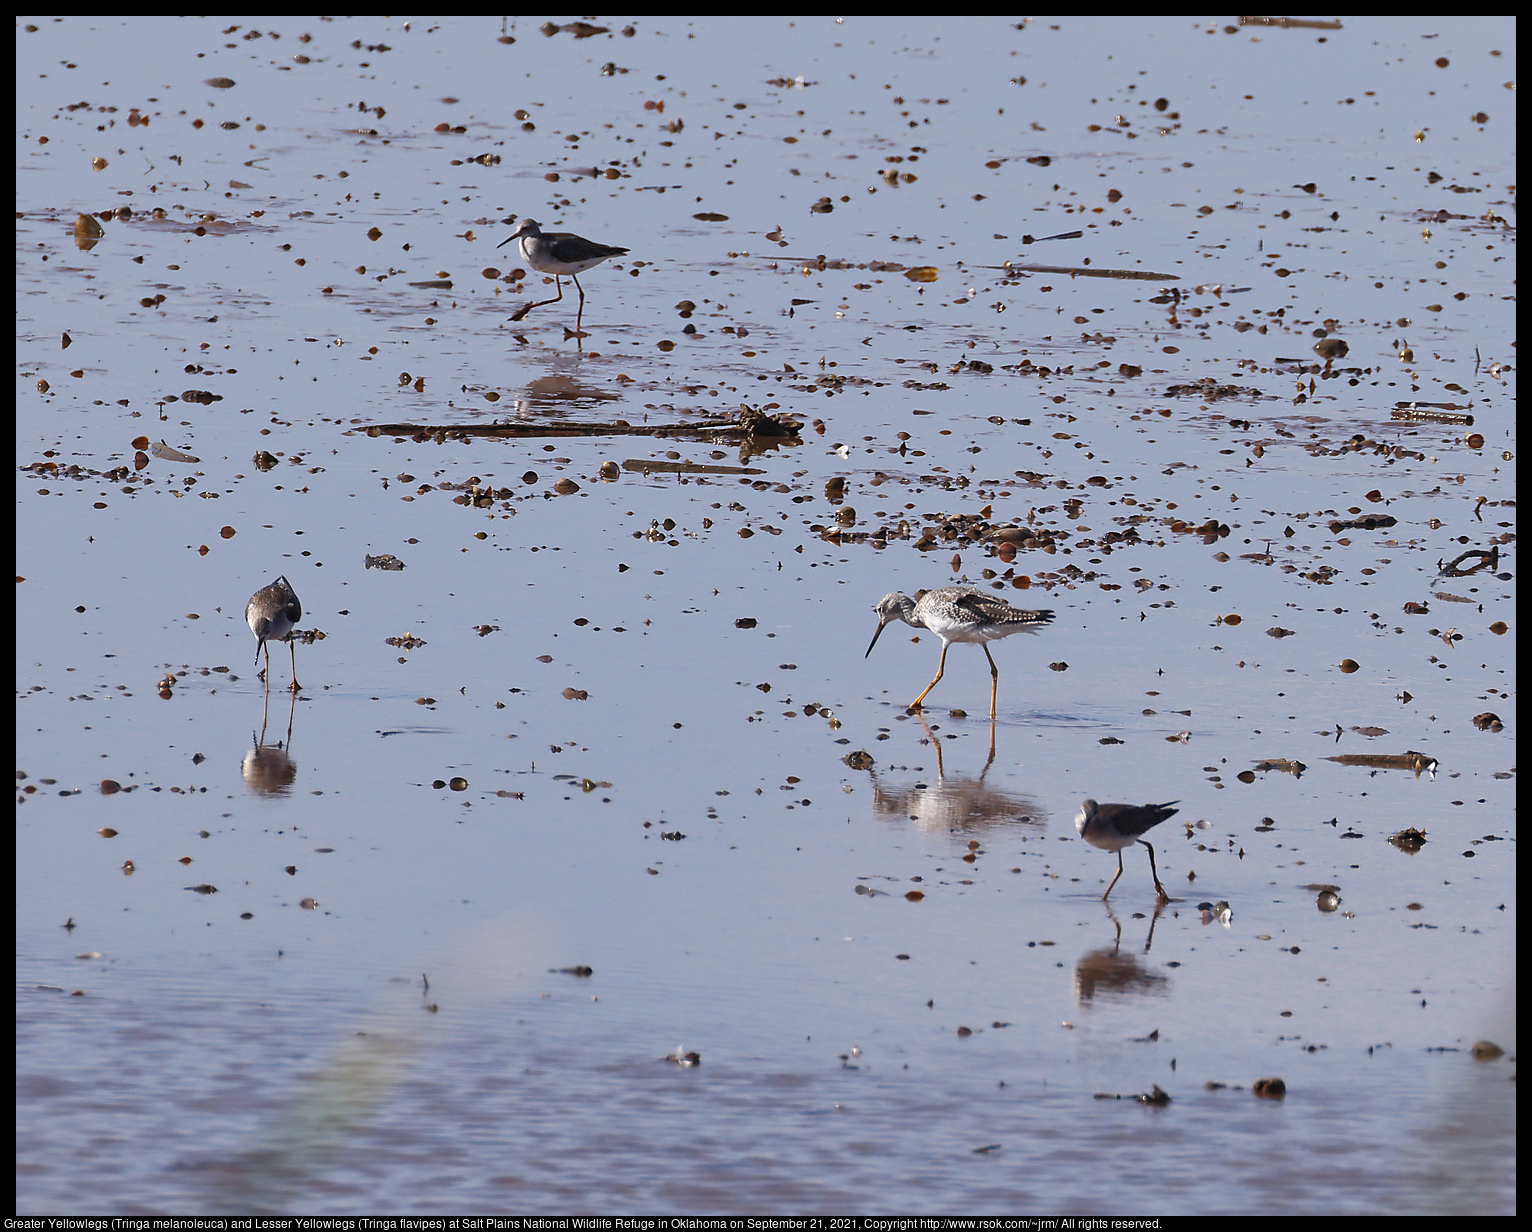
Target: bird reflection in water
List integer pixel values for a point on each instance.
(955, 802)
(1107, 972)
(267, 768)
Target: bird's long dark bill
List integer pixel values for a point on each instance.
(875, 638)
(505, 241)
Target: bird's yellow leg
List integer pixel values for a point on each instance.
(941, 667)
(1114, 879)
(994, 680)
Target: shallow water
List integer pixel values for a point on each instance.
(652, 687)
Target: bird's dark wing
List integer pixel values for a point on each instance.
(983, 609)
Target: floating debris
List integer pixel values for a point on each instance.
(162, 450)
(757, 422)
(1086, 271)
(1211, 391)
(1292, 23)
(1368, 521)
(1220, 911)
(1487, 560)
(580, 29)
(649, 466)
(1431, 412)
(1156, 1096)
(1418, 762)
(620, 427)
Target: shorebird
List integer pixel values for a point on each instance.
(271, 614)
(958, 614)
(558, 253)
(1114, 827)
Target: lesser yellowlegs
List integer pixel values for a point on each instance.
(1115, 827)
(958, 614)
(271, 613)
(561, 254)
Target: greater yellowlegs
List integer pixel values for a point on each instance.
(958, 614)
(559, 253)
(271, 613)
(1114, 827)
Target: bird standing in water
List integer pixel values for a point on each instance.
(1115, 827)
(958, 614)
(271, 614)
(559, 253)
